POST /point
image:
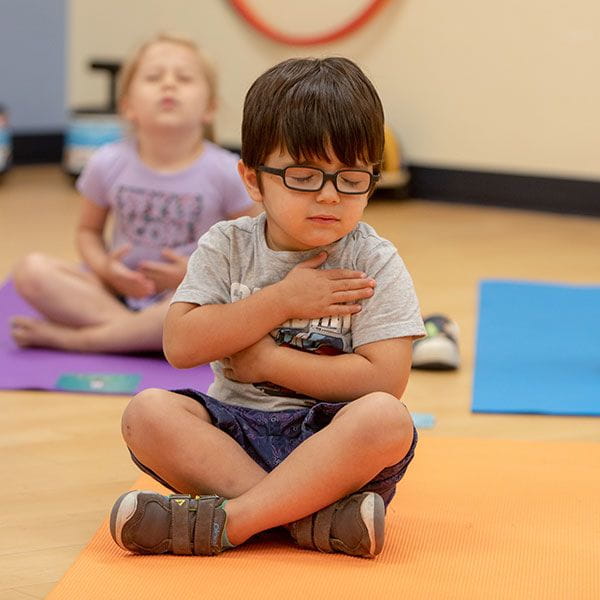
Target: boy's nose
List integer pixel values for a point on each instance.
(328, 194)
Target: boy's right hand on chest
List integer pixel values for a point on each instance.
(309, 292)
(124, 280)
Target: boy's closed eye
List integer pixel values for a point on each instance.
(350, 181)
(303, 179)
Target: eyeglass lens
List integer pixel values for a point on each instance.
(309, 179)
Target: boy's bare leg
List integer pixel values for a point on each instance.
(366, 436)
(173, 435)
(82, 315)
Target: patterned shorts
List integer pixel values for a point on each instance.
(269, 437)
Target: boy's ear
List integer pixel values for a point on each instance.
(250, 179)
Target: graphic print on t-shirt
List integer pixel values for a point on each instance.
(326, 335)
(157, 219)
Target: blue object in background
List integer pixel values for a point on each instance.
(5, 141)
(99, 383)
(85, 134)
(538, 349)
(423, 420)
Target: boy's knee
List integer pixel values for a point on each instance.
(29, 272)
(388, 422)
(141, 414)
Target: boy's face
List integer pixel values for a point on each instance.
(299, 220)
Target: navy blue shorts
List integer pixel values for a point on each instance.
(269, 437)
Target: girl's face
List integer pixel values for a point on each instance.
(169, 90)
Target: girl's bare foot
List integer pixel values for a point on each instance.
(31, 332)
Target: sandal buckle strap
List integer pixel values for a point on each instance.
(322, 528)
(209, 526)
(180, 524)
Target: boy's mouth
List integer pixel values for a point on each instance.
(323, 219)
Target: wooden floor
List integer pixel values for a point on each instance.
(62, 458)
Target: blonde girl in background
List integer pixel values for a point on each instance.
(164, 186)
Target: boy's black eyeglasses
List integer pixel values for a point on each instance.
(312, 179)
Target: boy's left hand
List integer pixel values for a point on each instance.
(251, 364)
(165, 275)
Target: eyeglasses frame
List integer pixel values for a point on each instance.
(374, 178)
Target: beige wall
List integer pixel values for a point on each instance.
(508, 86)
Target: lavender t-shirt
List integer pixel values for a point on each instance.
(154, 210)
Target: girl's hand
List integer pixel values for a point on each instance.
(251, 364)
(124, 280)
(165, 275)
(310, 293)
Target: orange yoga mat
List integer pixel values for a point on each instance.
(473, 519)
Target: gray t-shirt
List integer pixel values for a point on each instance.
(233, 260)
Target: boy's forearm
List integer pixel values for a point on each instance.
(340, 378)
(211, 332)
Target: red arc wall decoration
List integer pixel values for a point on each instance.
(357, 22)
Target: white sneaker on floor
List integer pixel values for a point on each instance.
(439, 350)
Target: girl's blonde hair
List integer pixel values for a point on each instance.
(130, 67)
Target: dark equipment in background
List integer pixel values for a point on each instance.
(91, 127)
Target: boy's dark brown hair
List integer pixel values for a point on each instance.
(308, 105)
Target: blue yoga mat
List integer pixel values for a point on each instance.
(538, 349)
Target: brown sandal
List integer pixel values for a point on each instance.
(149, 523)
(354, 525)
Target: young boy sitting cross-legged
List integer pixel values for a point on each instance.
(308, 319)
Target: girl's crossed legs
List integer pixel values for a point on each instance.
(80, 313)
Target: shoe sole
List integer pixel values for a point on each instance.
(122, 511)
(372, 512)
(438, 353)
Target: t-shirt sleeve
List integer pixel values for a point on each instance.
(92, 181)
(393, 310)
(207, 280)
(235, 196)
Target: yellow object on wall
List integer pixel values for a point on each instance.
(393, 173)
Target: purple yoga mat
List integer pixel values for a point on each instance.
(40, 369)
